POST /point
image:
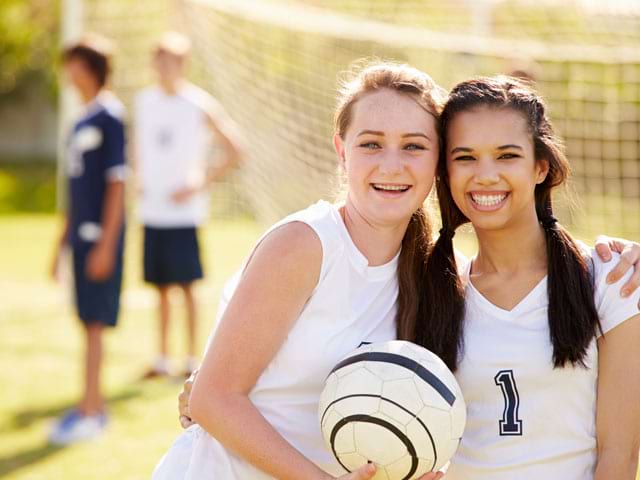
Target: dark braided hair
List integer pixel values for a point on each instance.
(573, 319)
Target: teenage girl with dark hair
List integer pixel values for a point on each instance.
(545, 351)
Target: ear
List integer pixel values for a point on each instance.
(338, 144)
(542, 168)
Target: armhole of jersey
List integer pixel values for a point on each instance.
(282, 224)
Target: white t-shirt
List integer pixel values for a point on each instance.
(525, 419)
(352, 303)
(172, 143)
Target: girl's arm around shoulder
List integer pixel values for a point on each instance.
(618, 408)
(277, 282)
(613, 308)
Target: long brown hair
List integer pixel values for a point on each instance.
(415, 244)
(572, 316)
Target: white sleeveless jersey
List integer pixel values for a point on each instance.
(351, 304)
(525, 419)
(172, 142)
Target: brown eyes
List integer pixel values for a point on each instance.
(504, 156)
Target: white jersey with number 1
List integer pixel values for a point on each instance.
(525, 419)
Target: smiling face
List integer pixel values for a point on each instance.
(390, 153)
(492, 168)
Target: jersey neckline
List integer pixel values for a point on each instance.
(490, 307)
(358, 259)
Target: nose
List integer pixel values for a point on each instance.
(391, 164)
(486, 172)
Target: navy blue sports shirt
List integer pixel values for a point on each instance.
(95, 156)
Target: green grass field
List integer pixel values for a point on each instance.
(40, 355)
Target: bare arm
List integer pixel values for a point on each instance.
(228, 136)
(275, 286)
(101, 259)
(618, 408)
(60, 243)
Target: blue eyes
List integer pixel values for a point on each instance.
(414, 146)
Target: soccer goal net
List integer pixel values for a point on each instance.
(273, 65)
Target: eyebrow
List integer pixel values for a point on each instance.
(381, 134)
(510, 145)
(501, 147)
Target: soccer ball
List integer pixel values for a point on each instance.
(395, 404)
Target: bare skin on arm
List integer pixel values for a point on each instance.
(226, 133)
(618, 409)
(101, 260)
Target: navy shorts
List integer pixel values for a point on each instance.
(171, 255)
(96, 302)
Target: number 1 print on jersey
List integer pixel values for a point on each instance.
(510, 423)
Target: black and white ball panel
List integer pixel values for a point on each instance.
(393, 403)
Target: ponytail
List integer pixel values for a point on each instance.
(573, 318)
(442, 303)
(411, 264)
(441, 308)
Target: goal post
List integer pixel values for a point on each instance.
(273, 65)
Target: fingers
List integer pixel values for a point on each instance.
(625, 262)
(185, 422)
(632, 284)
(183, 403)
(363, 473)
(603, 248)
(432, 476)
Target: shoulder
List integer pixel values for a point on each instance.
(324, 218)
(292, 251)
(113, 108)
(200, 99)
(310, 235)
(613, 309)
(293, 238)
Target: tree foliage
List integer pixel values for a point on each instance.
(29, 32)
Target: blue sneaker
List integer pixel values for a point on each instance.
(75, 427)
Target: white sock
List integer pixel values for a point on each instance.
(161, 364)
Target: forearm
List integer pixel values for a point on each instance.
(230, 159)
(618, 463)
(112, 214)
(238, 425)
(64, 235)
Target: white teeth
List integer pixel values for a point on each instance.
(488, 200)
(392, 188)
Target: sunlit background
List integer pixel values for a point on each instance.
(273, 65)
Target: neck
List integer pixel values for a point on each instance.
(88, 94)
(515, 248)
(379, 244)
(170, 87)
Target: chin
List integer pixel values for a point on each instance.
(489, 226)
